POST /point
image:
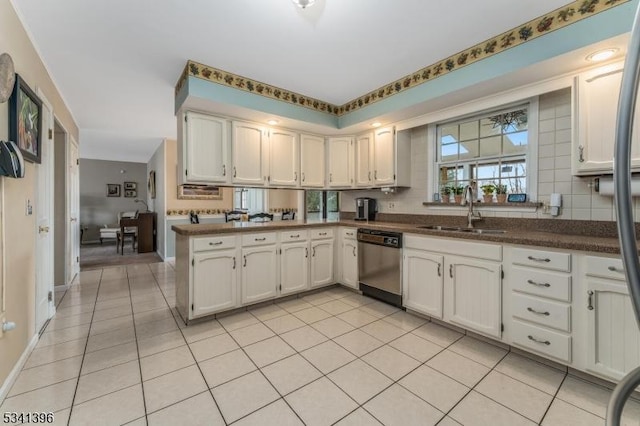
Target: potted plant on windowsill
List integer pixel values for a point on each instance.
(487, 192)
(501, 193)
(446, 194)
(457, 196)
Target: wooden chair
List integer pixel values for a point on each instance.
(262, 217)
(233, 215)
(288, 215)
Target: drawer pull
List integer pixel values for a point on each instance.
(614, 269)
(322, 233)
(590, 305)
(306, 252)
(294, 236)
(539, 259)
(538, 284)
(439, 272)
(245, 261)
(451, 271)
(354, 252)
(234, 262)
(350, 234)
(544, 342)
(538, 312)
(260, 239)
(215, 244)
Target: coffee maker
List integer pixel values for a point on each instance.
(366, 208)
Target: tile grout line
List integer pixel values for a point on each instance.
(555, 396)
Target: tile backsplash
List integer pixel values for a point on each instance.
(579, 199)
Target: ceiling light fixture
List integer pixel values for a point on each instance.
(272, 122)
(602, 55)
(303, 4)
(376, 124)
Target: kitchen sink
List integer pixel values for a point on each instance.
(459, 229)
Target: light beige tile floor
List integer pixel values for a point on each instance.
(116, 353)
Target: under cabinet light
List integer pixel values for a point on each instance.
(272, 122)
(601, 55)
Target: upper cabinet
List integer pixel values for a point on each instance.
(284, 161)
(384, 157)
(340, 162)
(203, 149)
(597, 93)
(250, 153)
(312, 161)
(364, 160)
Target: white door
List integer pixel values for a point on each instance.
(384, 157)
(214, 281)
(44, 222)
(249, 141)
(294, 267)
(321, 262)
(340, 162)
(204, 146)
(284, 161)
(614, 339)
(350, 263)
(472, 295)
(364, 160)
(73, 209)
(259, 274)
(312, 161)
(423, 282)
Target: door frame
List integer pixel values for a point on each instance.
(70, 268)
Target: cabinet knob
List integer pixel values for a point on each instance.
(581, 154)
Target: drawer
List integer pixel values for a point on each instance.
(553, 285)
(297, 235)
(318, 234)
(348, 233)
(258, 239)
(541, 340)
(458, 247)
(544, 312)
(605, 267)
(213, 243)
(542, 259)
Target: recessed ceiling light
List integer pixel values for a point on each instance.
(272, 122)
(601, 55)
(376, 124)
(303, 3)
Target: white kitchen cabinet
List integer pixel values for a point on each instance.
(384, 157)
(312, 161)
(321, 262)
(422, 282)
(294, 267)
(259, 273)
(284, 158)
(214, 281)
(350, 263)
(340, 162)
(364, 149)
(250, 154)
(203, 149)
(597, 103)
(473, 294)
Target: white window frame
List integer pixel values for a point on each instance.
(257, 199)
(462, 113)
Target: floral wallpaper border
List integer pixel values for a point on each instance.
(557, 19)
(185, 212)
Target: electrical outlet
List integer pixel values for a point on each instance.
(391, 205)
(546, 201)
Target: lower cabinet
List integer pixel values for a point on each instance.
(321, 262)
(214, 281)
(473, 294)
(350, 263)
(422, 282)
(259, 274)
(294, 267)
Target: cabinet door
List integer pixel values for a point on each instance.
(214, 281)
(364, 160)
(259, 274)
(350, 263)
(284, 159)
(472, 295)
(248, 145)
(312, 161)
(321, 263)
(384, 172)
(340, 162)
(294, 267)
(422, 282)
(598, 93)
(205, 143)
(614, 339)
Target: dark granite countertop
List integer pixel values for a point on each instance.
(588, 236)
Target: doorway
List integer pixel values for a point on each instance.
(60, 206)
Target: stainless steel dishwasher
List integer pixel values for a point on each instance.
(380, 265)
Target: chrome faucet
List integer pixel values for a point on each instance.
(468, 199)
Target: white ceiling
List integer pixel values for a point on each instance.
(116, 62)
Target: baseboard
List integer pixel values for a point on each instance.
(169, 259)
(13, 375)
(61, 287)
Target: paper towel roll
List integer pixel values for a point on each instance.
(605, 186)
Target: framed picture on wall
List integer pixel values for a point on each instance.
(151, 184)
(130, 185)
(199, 192)
(25, 120)
(113, 190)
(132, 193)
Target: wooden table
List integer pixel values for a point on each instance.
(146, 232)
